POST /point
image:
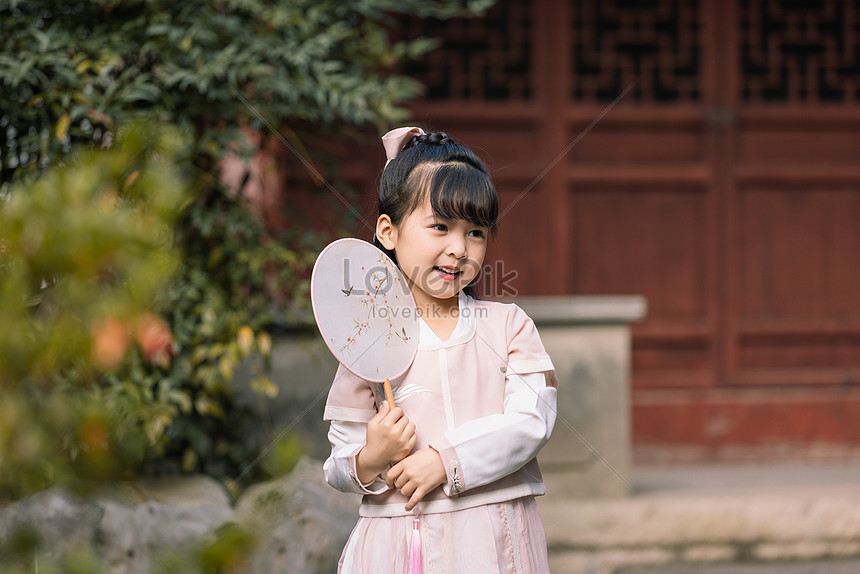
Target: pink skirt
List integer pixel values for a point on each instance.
(496, 538)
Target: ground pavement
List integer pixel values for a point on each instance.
(749, 519)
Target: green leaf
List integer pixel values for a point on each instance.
(78, 78)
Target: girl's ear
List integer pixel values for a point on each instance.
(386, 232)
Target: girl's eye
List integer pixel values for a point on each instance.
(477, 233)
(439, 227)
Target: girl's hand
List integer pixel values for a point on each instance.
(390, 437)
(417, 474)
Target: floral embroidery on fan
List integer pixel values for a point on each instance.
(358, 329)
(377, 305)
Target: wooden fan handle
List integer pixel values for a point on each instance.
(389, 396)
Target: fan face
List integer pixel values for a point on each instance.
(364, 309)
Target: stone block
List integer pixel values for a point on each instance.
(301, 524)
(588, 339)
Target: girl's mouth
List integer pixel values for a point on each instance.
(448, 273)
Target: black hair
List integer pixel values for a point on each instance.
(457, 181)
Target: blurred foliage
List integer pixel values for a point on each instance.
(85, 250)
(228, 549)
(27, 559)
(132, 283)
(71, 71)
(124, 311)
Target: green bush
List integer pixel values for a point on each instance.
(99, 293)
(86, 248)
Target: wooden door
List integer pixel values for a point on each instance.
(703, 154)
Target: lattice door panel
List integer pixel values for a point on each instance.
(488, 58)
(655, 44)
(800, 51)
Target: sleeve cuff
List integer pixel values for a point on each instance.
(453, 468)
(376, 486)
(348, 414)
(524, 366)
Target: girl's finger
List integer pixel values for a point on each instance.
(411, 443)
(393, 415)
(408, 488)
(400, 425)
(383, 410)
(415, 499)
(401, 481)
(393, 474)
(402, 428)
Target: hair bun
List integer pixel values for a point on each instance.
(435, 138)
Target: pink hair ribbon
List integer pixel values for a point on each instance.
(394, 141)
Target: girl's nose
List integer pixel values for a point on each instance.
(457, 247)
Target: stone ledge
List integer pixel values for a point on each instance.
(602, 537)
(583, 309)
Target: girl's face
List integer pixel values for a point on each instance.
(439, 256)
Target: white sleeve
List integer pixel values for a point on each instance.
(347, 439)
(484, 450)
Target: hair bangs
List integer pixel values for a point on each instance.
(457, 190)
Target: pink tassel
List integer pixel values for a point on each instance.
(415, 549)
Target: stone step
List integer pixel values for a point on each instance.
(686, 516)
(803, 567)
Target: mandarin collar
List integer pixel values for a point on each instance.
(463, 332)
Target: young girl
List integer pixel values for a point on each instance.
(456, 458)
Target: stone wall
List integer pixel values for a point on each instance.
(294, 525)
(588, 338)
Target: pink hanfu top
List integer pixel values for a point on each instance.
(485, 399)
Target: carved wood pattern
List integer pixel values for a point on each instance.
(485, 58)
(800, 51)
(653, 42)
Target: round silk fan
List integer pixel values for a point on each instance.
(365, 311)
